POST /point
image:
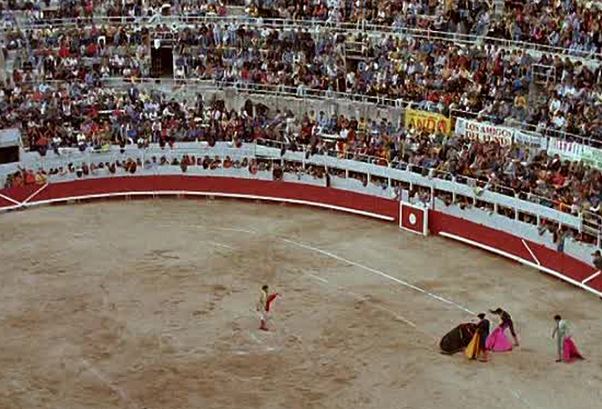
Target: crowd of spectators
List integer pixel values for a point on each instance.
(92, 118)
(456, 16)
(481, 80)
(79, 53)
(484, 79)
(568, 24)
(38, 11)
(571, 24)
(566, 186)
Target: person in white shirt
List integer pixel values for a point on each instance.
(561, 331)
(262, 308)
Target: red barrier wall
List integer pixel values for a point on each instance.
(251, 187)
(5, 203)
(348, 201)
(513, 245)
(19, 193)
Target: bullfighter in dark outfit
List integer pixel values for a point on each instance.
(483, 329)
(506, 322)
(477, 346)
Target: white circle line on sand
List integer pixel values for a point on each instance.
(364, 299)
(236, 230)
(382, 274)
(518, 396)
(227, 229)
(102, 377)
(221, 245)
(318, 278)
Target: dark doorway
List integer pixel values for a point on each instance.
(9, 154)
(162, 62)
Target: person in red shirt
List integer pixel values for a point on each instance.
(64, 52)
(91, 49)
(30, 178)
(42, 145)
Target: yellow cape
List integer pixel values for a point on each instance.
(472, 350)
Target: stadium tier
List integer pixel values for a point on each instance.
(538, 91)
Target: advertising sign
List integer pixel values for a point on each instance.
(484, 131)
(565, 149)
(530, 139)
(428, 121)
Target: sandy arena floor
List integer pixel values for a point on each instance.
(150, 304)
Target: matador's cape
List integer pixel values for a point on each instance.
(268, 303)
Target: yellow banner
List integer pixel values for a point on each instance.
(428, 121)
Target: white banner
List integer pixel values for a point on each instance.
(530, 139)
(592, 157)
(484, 131)
(566, 150)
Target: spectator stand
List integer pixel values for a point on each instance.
(484, 104)
(485, 184)
(313, 25)
(372, 174)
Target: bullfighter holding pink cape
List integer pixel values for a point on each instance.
(497, 341)
(566, 348)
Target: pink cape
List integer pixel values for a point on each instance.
(570, 350)
(497, 341)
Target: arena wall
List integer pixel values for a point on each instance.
(504, 243)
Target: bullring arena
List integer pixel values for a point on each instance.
(390, 168)
(151, 304)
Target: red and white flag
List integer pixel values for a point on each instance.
(413, 218)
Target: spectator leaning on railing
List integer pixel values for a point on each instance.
(597, 260)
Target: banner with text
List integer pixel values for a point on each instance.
(576, 152)
(592, 157)
(428, 121)
(531, 139)
(484, 131)
(565, 149)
